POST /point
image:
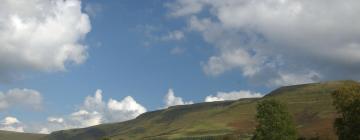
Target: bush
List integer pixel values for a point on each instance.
(347, 102)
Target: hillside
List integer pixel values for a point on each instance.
(310, 104)
(7, 135)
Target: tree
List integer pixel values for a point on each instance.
(274, 122)
(347, 103)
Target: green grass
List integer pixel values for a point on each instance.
(7, 135)
(310, 104)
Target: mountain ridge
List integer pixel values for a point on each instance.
(310, 104)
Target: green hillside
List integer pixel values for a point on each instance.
(310, 104)
(7, 135)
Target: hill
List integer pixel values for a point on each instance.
(310, 104)
(7, 135)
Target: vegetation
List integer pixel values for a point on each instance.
(311, 106)
(347, 103)
(7, 135)
(275, 122)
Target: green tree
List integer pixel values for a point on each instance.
(347, 102)
(274, 122)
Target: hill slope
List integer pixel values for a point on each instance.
(310, 104)
(7, 135)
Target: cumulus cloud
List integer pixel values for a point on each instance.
(171, 100)
(233, 95)
(277, 42)
(85, 118)
(27, 98)
(95, 111)
(41, 36)
(11, 124)
(125, 109)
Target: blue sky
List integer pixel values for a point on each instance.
(125, 60)
(151, 49)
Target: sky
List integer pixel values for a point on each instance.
(69, 64)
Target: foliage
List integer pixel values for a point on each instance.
(347, 103)
(312, 138)
(215, 137)
(275, 123)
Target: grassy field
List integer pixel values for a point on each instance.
(310, 105)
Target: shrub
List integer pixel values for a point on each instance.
(347, 102)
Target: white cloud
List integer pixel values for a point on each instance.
(56, 119)
(94, 102)
(278, 42)
(93, 9)
(11, 124)
(85, 118)
(184, 7)
(41, 36)
(44, 131)
(157, 34)
(233, 95)
(10, 121)
(27, 98)
(295, 79)
(96, 111)
(173, 35)
(126, 109)
(171, 100)
(229, 60)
